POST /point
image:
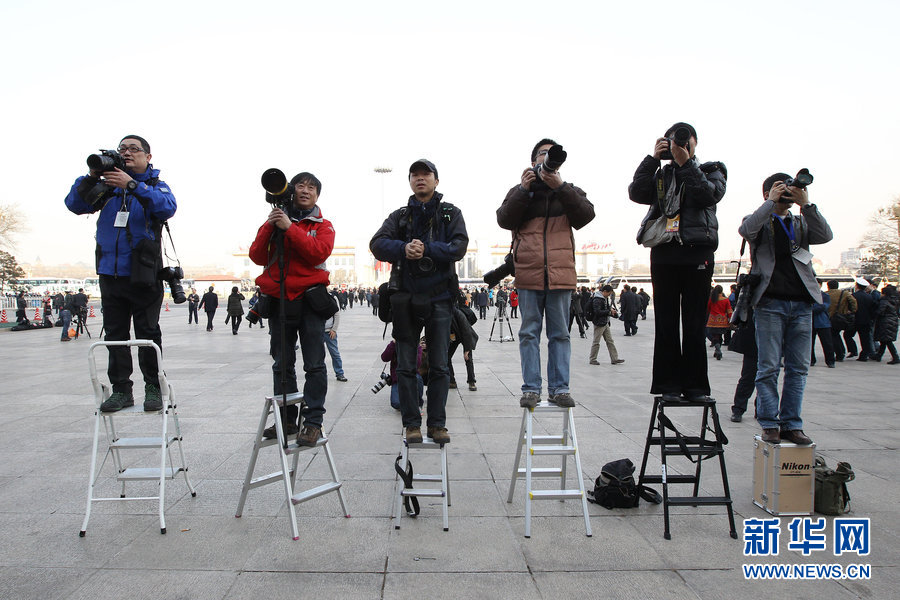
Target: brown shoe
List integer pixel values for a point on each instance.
(290, 429)
(594, 362)
(796, 437)
(439, 435)
(771, 436)
(413, 435)
(309, 435)
(618, 361)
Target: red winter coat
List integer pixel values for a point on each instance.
(307, 245)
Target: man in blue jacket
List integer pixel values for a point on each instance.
(132, 204)
(423, 240)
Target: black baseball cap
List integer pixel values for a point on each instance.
(424, 163)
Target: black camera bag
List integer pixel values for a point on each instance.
(146, 262)
(616, 487)
(320, 301)
(384, 302)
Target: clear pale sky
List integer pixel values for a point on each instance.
(223, 90)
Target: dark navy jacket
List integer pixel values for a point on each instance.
(113, 252)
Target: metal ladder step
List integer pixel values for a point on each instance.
(553, 451)
(554, 494)
(699, 500)
(541, 472)
(147, 473)
(141, 442)
(315, 492)
(434, 493)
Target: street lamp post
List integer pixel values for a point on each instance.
(382, 171)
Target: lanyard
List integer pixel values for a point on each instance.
(789, 231)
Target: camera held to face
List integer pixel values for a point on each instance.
(495, 276)
(803, 179)
(556, 156)
(680, 137)
(106, 160)
(278, 193)
(173, 276)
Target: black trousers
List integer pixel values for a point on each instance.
(192, 313)
(825, 338)
(124, 303)
(210, 315)
(470, 363)
(307, 327)
(680, 294)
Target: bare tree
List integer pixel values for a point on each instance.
(882, 238)
(11, 223)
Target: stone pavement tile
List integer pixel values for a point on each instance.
(422, 538)
(881, 464)
(505, 425)
(452, 586)
(327, 544)
(151, 583)
(354, 466)
(559, 544)
(277, 585)
(46, 583)
(729, 583)
(194, 542)
(614, 584)
(234, 466)
(706, 534)
(373, 442)
(52, 540)
(363, 498)
(217, 497)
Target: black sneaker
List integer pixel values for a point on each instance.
(340, 378)
(564, 400)
(529, 400)
(117, 401)
(152, 398)
(269, 433)
(736, 417)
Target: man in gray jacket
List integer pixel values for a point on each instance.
(783, 299)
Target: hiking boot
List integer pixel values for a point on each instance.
(772, 436)
(309, 435)
(152, 398)
(290, 429)
(413, 435)
(529, 400)
(117, 401)
(439, 435)
(594, 362)
(736, 417)
(564, 400)
(618, 361)
(473, 387)
(340, 377)
(796, 437)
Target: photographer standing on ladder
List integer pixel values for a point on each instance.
(422, 241)
(308, 242)
(133, 203)
(541, 211)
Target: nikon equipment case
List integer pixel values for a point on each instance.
(783, 477)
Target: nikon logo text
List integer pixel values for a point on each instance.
(792, 466)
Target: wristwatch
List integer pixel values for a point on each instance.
(131, 185)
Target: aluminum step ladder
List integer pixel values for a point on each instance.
(694, 448)
(288, 473)
(402, 491)
(564, 445)
(116, 446)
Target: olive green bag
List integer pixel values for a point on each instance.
(832, 497)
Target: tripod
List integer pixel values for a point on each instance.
(500, 315)
(79, 322)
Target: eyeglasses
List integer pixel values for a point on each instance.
(543, 153)
(132, 149)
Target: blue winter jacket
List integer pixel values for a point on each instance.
(113, 253)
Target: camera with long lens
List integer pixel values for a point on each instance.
(680, 137)
(278, 191)
(383, 380)
(97, 192)
(802, 179)
(495, 276)
(173, 276)
(556, 156)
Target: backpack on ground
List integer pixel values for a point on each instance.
(616, 487)
(832, 497)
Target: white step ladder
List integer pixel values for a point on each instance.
(402, 491)
(288, 473)
(563, 445)
(116, 446)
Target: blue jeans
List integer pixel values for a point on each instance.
(783, 329)
(66, 317)
(395, 392)
(535, 306)
(437, 338)
(332, 346)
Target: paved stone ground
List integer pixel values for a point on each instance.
(46, 414)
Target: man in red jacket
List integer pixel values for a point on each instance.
(308, 242)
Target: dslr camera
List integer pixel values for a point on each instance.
(99, 191)
(173, 276)
(383, 380)
(495, 276)
(278, 192)
(680, 137)
(556, 156)
(803, 179)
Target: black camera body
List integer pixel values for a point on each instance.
(173, 276)
(100, 191)
(383, 380)
(495, 276)
(556, 156)
(278, 192)
(802, 179)
(680, 137)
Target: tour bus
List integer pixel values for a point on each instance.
(39, 285)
